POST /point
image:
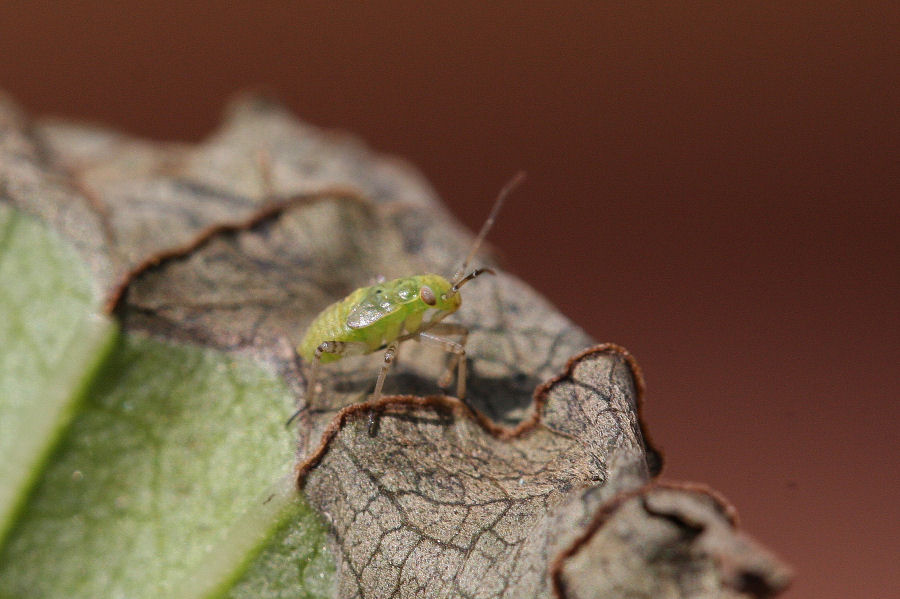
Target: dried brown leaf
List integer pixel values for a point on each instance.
(238, 242)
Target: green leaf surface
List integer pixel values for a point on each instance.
(50, 342)
(175, 470)
(163, 486)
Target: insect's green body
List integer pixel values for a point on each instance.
(380, 314)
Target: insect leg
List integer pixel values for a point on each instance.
(390, 354)
(341, 349)
(458, 349)
(446, 328)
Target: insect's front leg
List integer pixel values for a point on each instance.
(434, 336)
(390, 354)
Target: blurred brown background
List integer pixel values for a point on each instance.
(716, 188)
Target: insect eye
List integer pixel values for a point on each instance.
(427, 295)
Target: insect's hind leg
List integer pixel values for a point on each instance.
(458, 350)
(341, 349)
(390, 355)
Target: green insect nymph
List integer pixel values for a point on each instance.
(382, 316)
(372, 317)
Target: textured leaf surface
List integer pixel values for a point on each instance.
(234, 245)
(640, 543)
(116, 496)
(172, 448)
(50, 341)
(436, 502)
(161, 486)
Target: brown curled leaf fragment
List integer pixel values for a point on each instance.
(238, 242)
(666, 540)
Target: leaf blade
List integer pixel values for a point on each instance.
(173, 447)
(51, 343)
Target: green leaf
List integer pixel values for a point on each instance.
(175, 471)
(50, 343)
(297, 563)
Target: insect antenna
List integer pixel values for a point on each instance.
(469, 277)
(458, 277)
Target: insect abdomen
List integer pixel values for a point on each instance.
(330, 325)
